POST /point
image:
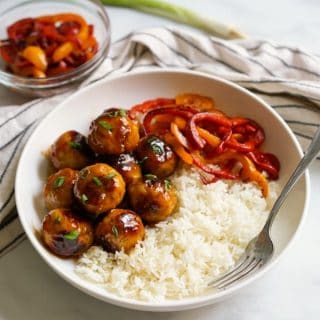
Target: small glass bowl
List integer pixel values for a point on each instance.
(91, 10)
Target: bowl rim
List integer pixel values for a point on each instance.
(96, 60)
(166, 305)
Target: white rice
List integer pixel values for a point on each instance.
(179, 256)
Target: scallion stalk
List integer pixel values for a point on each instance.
(179, 14)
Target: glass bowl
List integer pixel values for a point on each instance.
(91, 10)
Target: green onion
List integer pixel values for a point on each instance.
(117, 113)
(143, 160)
(58, 182)
(84, 173)
(110, 175)
(84, 198)
(167, 184)
(154, 143)
(179, 14)
(97, 181)
(57, 220)
(151, 177)
(152, 139)
(156, 149)
(75, 145)
(122, 113)
(106, 125)
(72, 235)
(115, 231)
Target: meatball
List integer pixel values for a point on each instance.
(58, 191)
(99, 188)
(127, 166)
(70, 150)
(119, 229)
(114, 133)
(152, 198)
(156, 156)
(66, 234)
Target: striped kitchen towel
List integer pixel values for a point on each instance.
(285, 77)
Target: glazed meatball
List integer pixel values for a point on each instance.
(70, 150)
(99, 188)
(156, 156)
(154, 199)
(127, 166)
(114, 133)
(119, 229)
(66, 234)
(58, 191)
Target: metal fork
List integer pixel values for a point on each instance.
(260, 249)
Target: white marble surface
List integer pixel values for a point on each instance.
(30, 290)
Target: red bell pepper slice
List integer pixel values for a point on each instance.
(266, 162)
(181, 111)
(148, 105)
(214, 118)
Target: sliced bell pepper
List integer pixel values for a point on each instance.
(148, 105)
(266, 162)
(214, 118)
(180, 111)
(201, 102)
(36, 56)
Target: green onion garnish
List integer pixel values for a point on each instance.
(117, 113)
(167, 184)
(156, 149)
(122, 113)
(151, 177)
(84, 198)
(72, 235)
(110, 175)
(115, 231)
(57, 220)
(58, 182)
(84, 173)
(143, 160)
(75, 145)
(97, 181)
(106, 125)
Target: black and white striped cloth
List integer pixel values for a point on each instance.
(286, 77)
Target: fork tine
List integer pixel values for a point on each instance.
(243, 260)
(244, 272)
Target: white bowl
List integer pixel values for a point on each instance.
(126, 90)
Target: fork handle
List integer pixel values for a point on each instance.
(309, 156)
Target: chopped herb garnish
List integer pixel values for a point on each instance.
(122, 113)
(115, 231)
(106, 125)
(167, 184)
(151, 177)
(151, 139)
(75, 145)
(110, 175)
(58, 182)
(84, 198)
(97, 181)
(117, 113)
(72, 235)
(84, 173)
(156, 149)
(57, 220)
(143, 160)
(155, 145)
